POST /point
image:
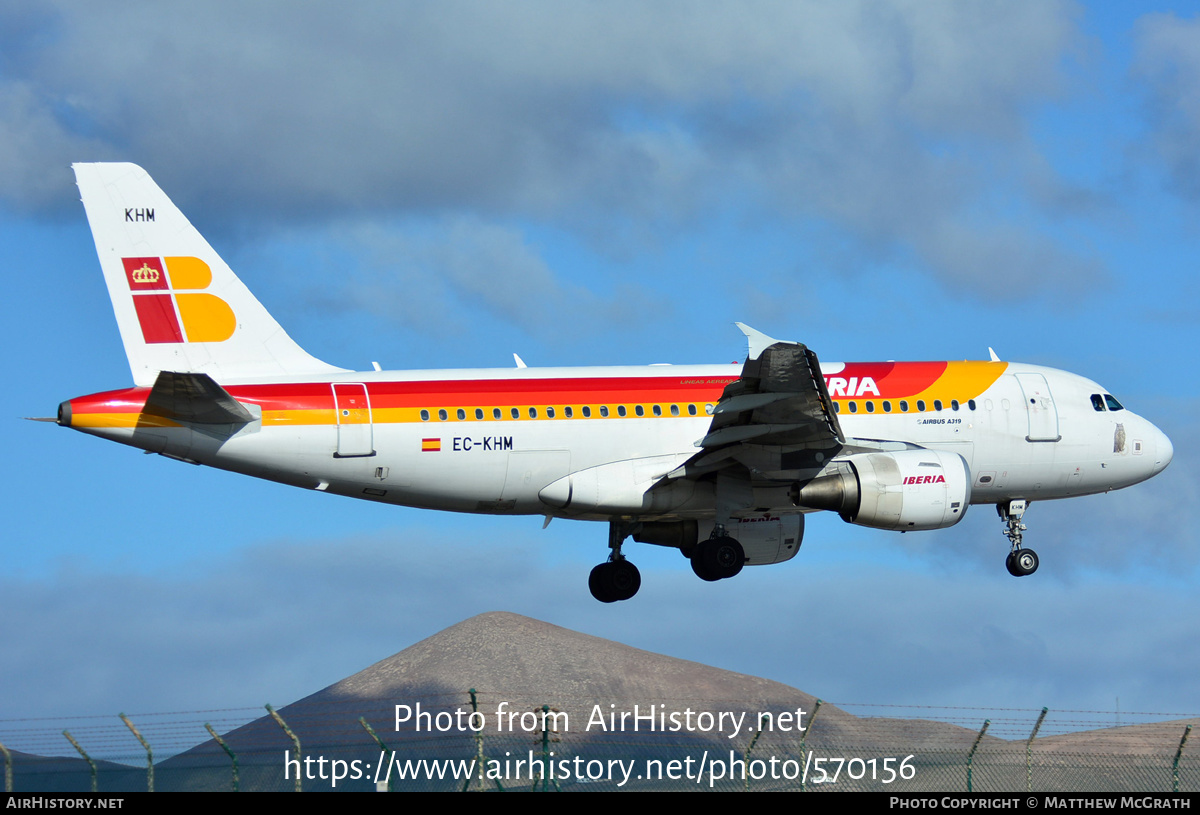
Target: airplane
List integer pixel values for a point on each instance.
(720, 462)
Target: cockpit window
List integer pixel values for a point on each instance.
(1113, 404)
(1097, 402)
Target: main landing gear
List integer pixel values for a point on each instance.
(718, 557)
(614, 580)
(617, 578)
(1020, 561)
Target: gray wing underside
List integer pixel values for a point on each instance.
(776, 416)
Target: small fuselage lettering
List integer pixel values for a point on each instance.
(465, 444)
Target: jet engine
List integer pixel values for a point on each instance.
(904, 490)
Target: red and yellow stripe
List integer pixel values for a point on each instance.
(402, 401)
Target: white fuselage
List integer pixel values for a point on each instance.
(1047, 445)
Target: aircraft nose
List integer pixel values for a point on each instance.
(1164, 451)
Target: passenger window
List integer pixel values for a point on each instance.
(887, 406)
(854, 407)
(657, 410)
(604, 410)
(515, 413)
(674, 410)
(442, 414)
(708, 409)
(904, 406)
(639, 410)
(954, 404)
(549, 413)
(424, 415)
(920, 405)
(837, 407)
(870, 407)
(568, 412)
(587, 412)
(971, 404)
(478, 413)
(691, 410)
(496, 414)
(462, 414)
(620, 410)
(533, 413)
(937, 404)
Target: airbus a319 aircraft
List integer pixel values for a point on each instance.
(721, 462)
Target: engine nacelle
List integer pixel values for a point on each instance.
(905, 490)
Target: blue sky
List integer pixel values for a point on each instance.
(443, 185)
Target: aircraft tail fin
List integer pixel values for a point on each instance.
(179, 306)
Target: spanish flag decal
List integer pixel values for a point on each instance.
(431, 445)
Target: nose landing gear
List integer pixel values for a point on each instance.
(1020, 562)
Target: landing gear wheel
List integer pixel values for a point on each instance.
(718, 558)
(597, 583)
(624, 578)
(702, 571)
(614, 581)
(1022, 562)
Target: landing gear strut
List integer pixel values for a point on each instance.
(1020, 562)
(718, 557)
(617, 578)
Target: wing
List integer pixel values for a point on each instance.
(777, 416)
(780, 398)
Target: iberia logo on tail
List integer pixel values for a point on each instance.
(170, 303)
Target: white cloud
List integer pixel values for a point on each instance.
(888, 122)
(1168, 66)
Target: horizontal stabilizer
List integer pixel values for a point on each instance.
(194, 398)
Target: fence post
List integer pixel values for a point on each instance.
(228, 752)
(1029, 751)
(7, 768)
(149, 754)
(86, 757)
(749, 750)
(974, 747)
(383, 751)
(480, 759)
(1178, 754)
(803, 738)
(295, 740)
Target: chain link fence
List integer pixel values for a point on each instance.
(480, 741)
